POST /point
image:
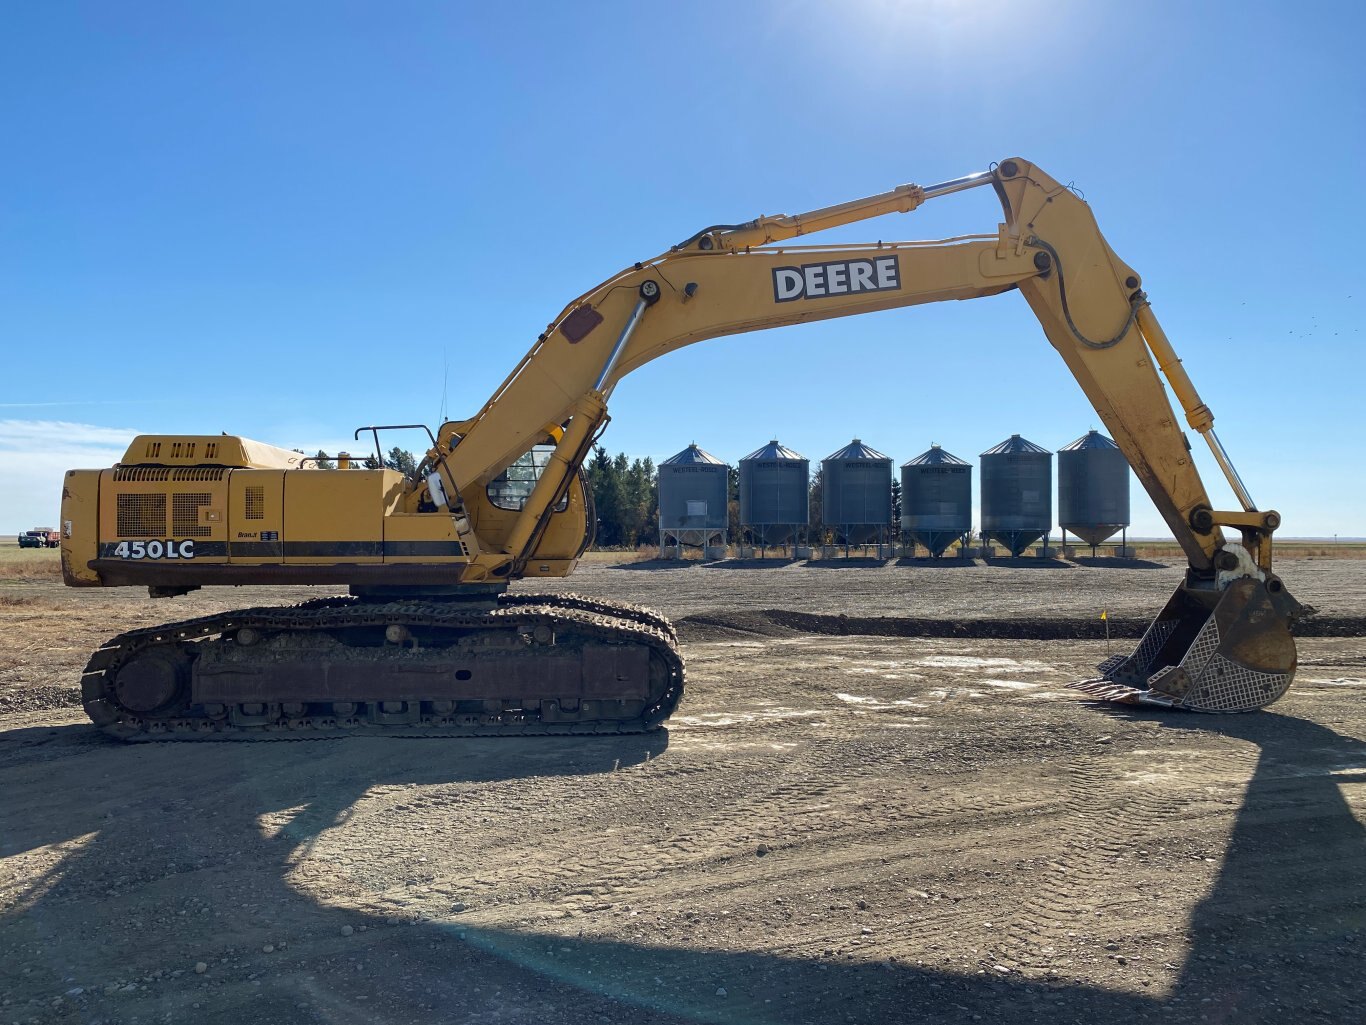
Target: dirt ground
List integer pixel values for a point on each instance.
(835, 827)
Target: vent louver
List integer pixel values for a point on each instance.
(141, 473)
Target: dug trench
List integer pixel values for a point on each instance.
(776, 622)
(836, 826)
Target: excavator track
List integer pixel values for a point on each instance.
(533, 665)
(603, 606)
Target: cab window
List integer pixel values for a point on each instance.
(511, 488)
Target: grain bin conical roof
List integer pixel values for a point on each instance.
(935, 456)
(773, 450)
(692, 455)
(857, 450)
(1016, 444)
(1090, 440)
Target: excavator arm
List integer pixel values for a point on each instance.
(430, 642)
(1222, 644)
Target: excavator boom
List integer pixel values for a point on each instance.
(500, 496)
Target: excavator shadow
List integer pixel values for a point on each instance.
(173, 853)
(319, 779)
(1294, 869)
(234, 822)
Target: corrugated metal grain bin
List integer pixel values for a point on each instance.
(936, 499)
(775, 486)
(1017, 493)
(856, 493)
(693, 494)
(1093, 488)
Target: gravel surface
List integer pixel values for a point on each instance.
(945, 588)
(834, 828)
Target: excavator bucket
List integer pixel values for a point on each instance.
(1210, 650)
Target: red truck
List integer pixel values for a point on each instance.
(40, 537)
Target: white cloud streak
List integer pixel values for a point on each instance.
(34, 456)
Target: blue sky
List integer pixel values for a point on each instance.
(290, 220)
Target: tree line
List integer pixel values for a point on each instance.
(398, 459)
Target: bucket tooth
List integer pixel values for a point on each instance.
(1209, 650)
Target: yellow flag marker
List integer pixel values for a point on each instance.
(1105, 617)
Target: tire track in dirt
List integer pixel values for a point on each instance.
(1110, 824)
(832, 826)
(828, 862)
(722, 818)
(828, 814)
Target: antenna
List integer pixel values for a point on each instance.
(445, 370)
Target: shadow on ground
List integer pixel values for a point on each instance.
(652, 564)
(853, 562)
(1294, 833)
(770, 563)
(947, 562)
(1108, 562)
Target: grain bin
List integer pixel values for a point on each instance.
(694, 489)
(936, 500)
(1017, 493)
(856, 494)
(775, 486)
(1093, 489)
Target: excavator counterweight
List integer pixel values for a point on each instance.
(431, 643)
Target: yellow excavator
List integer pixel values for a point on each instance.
(430, 642)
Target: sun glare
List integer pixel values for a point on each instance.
(882, 36)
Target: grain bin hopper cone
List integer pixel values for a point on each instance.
(1222, 648)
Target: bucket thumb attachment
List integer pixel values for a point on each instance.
(1210, 650)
